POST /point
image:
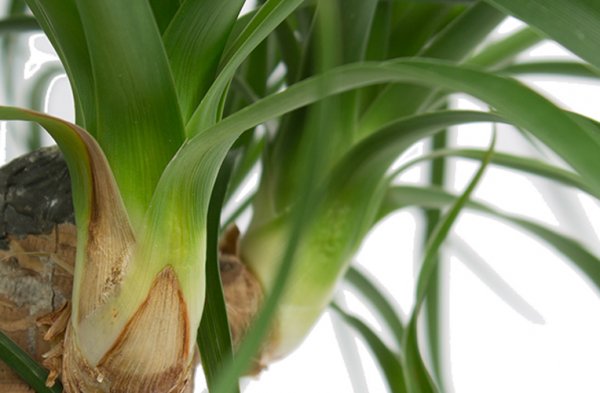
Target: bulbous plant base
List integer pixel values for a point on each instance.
(243, 294)
(149, 355)
(37, 252)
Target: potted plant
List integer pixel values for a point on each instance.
(175, 102)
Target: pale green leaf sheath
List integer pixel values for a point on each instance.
(127, 297)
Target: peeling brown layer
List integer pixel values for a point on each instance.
(51, 256)
(150, 355)
(243, 293)
(35, 280)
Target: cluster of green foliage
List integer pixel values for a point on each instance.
(185, 98)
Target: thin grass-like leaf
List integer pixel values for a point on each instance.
(61, 23)
(503, 52)
(194, 42)
(389, 362)
(347, 345)
(557, 68)
(22, 364)
(575, 23)
(356, 26)
(18, 24)
(434, 303)
(372, 294)
(214, 338)
(587, 262)
(164, 11)
(266, 19)
(521, 163)
(415, 25)
(417, 375)
(455, 42)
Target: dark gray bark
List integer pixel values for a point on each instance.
(35, 194)
(37, 249)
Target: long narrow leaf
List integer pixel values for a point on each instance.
(164, 11)
(434, 305)
(268, 17)
(574, 23)
(378, 301)
(587, 262)
(22, 364)
(140, 126)
(201, 157)
(557, 68)
(214, 338)
(194, 42)
(455, 42)
(389, 362)
(520, 105)
(61, 23)
(502, 52)
(13, 24)
(416, 371)
(527, 165)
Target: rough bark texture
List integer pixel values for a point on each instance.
(37, 252)
(37, 249)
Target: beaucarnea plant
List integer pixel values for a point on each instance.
(164, 90)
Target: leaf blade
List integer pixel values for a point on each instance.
(573, 23)
(139, 124)
(24, 366)
(389, 362)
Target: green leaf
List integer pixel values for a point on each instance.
(415, 26)
(22, 364)
(521, 163)
(74, 143)
(268, 17)
(575, 23)
(61, 23)
(356, 20)
(464, 34)
(518, 104)
(194, 42)
(188, 177)
(455, 42)
(502, 52)
(99, 212)
(164, 11)
(19, 23)
(434, 305)
(415, 372)
(417, 375)
(557, 68)
(389, 362)
(139, 124)
(441, 231)
(214, 338)
(379, 302)
(446, 1)
(588, 263)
